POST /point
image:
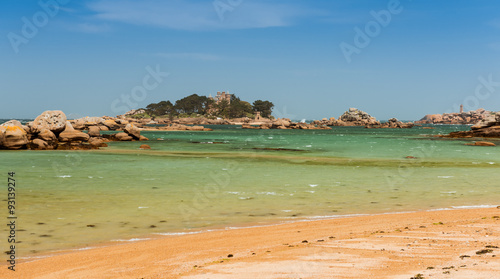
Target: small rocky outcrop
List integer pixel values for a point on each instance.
(352, 117)
(284, 124)
(180, 127)
(481, 143)
(326, 122)
(356, 117)
(393, 123)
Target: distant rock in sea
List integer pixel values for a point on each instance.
(489, 127)
(356, 117)
(464, 118)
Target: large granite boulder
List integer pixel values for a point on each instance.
(39, 144)
(111, 124)
(85, 122)
(47, 135)
(94, 131)
(13, 123)
(70, 134)
(54, 121)
(133, 131)
(123, 137)
(96, 143)
(13, 137)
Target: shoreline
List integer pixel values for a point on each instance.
(220, 228)
(153, 258)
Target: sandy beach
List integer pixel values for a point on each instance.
(459, 243)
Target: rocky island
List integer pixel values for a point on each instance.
(356, 117)
(460, 118)
(486, 128)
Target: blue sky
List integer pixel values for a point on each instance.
(99, 57)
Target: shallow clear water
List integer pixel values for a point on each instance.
(225, 178)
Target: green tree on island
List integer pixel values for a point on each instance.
(202, 105)
(239, 108)
(265, 108)
(193, 104)
(159, 109)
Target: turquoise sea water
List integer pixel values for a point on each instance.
(192, 181)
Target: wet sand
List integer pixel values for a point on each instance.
(436, 244)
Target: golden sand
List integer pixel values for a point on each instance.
(436, 244)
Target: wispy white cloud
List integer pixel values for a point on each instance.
(189, 55)
(198, 15)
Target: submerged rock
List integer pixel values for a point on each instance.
(482, 143)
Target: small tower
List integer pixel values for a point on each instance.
(257, 116)
(461, 108)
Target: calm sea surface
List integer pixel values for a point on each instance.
(195, 181)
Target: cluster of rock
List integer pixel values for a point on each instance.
(52, 130)
(285, 123)
(356, 117)
(464, 118)
(393, 123)
(130, 130)
(180, 127)
(131, 113)
(486, 128)
(352, 117)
